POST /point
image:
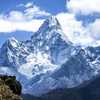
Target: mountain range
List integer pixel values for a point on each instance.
(49, 60)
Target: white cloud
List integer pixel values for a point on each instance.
(27, 14)
(84, 6)
(32, 10)
(5, 26)
(76, 32)
(14, 23)
(29, 4)
(69, 24)
(22, 21)
(16, 15)
(30, 26)
(71, 27)
(94, 29)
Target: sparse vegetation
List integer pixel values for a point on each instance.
(10, 89)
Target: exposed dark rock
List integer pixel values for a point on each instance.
(10, 88)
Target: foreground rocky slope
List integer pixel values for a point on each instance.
(10, 88)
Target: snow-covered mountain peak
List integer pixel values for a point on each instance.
(12, 39)
(49, 24)
(49, 31)
(52, 21)
(12, 42)
(13, 52)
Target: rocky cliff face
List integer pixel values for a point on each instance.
(10, 88)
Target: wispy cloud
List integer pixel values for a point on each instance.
(33, 11)
(27, 5)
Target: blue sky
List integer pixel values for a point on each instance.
(80, 19)
(52, 6)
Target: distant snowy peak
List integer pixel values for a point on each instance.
(52, 23)
(13, 52)
(11, 42)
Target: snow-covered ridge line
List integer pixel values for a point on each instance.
(48, 60)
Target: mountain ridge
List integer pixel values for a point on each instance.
(47, 61)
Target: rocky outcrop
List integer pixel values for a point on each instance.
(10, 88)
